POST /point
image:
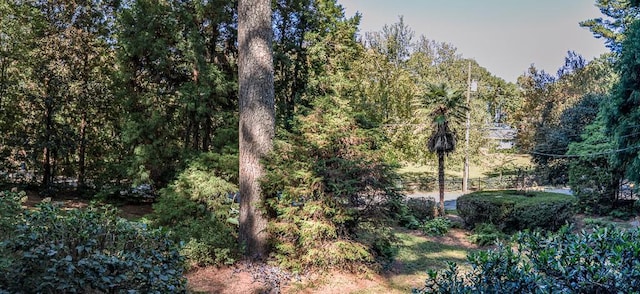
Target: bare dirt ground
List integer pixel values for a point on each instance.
(128, 211)
(231, 280)
(237, 279)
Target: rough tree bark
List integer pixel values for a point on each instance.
(441, 182)
(257, 117)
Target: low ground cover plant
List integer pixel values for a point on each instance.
(91, 250)
(436, 227)
(486, 234)
(601, 261)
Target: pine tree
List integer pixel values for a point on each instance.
(257, 117)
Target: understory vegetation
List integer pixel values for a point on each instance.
(603, 260)
(331, 198)
(199, 210)
(51, 250)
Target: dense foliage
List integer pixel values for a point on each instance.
(622, 115)
(198, 208)
(84, 250)
(558, 108)
(511, 211)
(602, 261)
(436, 227)
(101, 96)
(593, 177)
(413, 212)
(329, 202)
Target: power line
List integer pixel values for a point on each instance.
(584, 155)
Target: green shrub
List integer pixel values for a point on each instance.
(414, 211)
(603, 261)
(595, 180)
(422, 208)
(10, 216)
(196, 209)
(209, 239)
(511, 211)
(10, 210)
(407, 220)
(486, 234)
(330, 196)
(89, 250)
(436, 227)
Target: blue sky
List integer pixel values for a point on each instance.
(504, 36)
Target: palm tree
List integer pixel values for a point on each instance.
(444, 105)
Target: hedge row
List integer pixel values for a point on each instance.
(512, 211)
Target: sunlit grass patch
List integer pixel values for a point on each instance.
(416, 255)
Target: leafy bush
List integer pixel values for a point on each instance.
(436, 227)
(595, 180)
(10, 209)
(208, 239)
(603, 261)
(486, 234)
(406, 219)
(413, 212)
(10, 216)
(596, 188)
(511, 211)
(422, 208)
(90, 250)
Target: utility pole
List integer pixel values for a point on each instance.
(465, 172)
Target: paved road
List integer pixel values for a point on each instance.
(451, 196)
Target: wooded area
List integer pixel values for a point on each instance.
(288, 103)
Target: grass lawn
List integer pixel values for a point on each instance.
(489, 164)
(419, 253)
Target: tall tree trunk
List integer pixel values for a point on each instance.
(441, 182)
(47, 172)
(206, 134)
(82, 151)
(257, 117)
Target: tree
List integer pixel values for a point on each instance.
(330, 193)
(257, 117)
(594, 178)
(393, 42)
(177, 80)
(556, 112)
(293, 20)
(620, 15)
(17, 32)
(445, 105)
(623, 112)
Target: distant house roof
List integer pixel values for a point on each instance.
(499, 131)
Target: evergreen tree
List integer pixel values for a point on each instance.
(177, 79)
(623, 112)
(620, 14)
